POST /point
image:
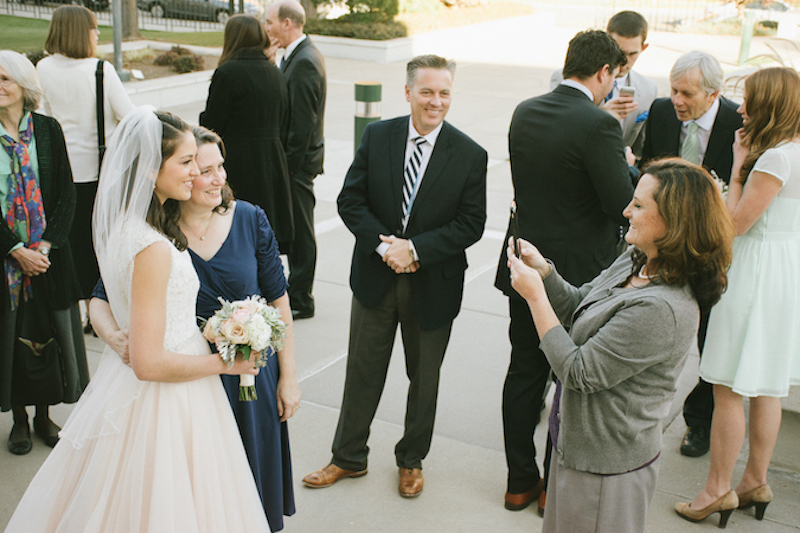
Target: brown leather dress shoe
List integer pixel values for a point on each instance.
(330, 475)
(518, 502)
(410, 482)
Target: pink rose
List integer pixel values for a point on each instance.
(235, 332)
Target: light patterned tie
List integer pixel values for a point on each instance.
(690, 150)
(411, 176)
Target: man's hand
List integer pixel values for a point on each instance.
(398, 257)
(620, 107)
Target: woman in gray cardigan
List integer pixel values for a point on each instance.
(630, 330)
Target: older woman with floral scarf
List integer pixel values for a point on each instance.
(42, 355)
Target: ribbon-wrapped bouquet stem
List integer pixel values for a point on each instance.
(247, 327)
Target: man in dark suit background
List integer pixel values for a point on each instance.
(415, 199)
(629, 29)
(304, 69)
(697, 124)
(571, 183)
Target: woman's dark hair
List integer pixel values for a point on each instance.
(164, 217)
(697, 247)
(69, 32)
(206, 136)
(243, 32)
(772, 101)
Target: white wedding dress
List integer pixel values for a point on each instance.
(143, 456)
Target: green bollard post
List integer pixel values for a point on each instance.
(368, 108)
(747, 36)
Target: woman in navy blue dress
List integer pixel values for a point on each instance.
(235, 254)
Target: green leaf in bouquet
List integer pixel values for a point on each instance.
(245, 350)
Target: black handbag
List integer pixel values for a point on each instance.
(38, 374)
(101, 124)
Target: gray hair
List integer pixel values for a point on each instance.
(711, 75)
(21, 70)
(292, 10)
(428, 61)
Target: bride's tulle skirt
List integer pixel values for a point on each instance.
(142, 456)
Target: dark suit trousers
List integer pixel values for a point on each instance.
(303, 254)
(523, 396)
(372, 333)
(699, 405)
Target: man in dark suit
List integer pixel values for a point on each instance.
(304, 69)
(415, 199)
(697, 124)
(571, 183)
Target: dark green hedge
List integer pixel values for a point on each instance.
(357, 29)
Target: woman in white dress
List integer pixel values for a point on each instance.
(153, 446)
(753, 343)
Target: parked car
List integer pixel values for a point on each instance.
(216, 10)
(762, 10)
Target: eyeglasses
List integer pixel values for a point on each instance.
(6, 82)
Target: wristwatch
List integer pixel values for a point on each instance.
(44, 250)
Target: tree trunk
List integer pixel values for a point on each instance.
(130, 21)
(311, 9)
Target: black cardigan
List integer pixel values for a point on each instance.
(58, 195)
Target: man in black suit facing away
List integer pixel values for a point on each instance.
(696, 124)
(415, 199)
(571, 182)
(304, 69)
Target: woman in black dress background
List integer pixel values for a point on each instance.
(247, 106)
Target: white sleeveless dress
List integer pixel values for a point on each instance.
(144, 456)
(753, 339)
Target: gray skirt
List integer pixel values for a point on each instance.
(581, 502)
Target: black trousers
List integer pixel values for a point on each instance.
(303, 252)
(80, 238)
(372, 333)
(699, 405)
(523, 397)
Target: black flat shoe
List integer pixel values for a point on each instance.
(696, 442)
(23, 446)
(45, 432)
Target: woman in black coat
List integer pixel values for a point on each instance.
(42, 354)
(247, 105)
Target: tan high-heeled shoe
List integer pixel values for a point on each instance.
(724, 505)
(759, 496)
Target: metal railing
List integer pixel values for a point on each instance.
(159, 15)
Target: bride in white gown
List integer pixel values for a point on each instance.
(152, 447)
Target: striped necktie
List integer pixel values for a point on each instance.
(610, 95)
(411, 177)
(690, 150)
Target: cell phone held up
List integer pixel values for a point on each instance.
(627, 91)
(514, 228)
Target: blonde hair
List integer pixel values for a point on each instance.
(773, 108)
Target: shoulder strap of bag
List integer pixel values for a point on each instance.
(101, 125)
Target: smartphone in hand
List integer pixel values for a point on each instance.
(627, 91)
(515, 228)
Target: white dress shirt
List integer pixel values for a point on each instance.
(427, 150)
(704, 126)
(581, 87)
(291, 47)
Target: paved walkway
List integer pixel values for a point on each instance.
(465, 471)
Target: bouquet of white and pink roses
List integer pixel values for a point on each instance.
(249, 327)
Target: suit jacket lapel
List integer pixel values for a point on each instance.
(674, 133)
(716, 141)
(294, 54)
(397, 152)
(441, 153)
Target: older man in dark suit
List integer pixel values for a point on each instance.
(697, 124)
(415, 199)
(571, 183)
(304, 69)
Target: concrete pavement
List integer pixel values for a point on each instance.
(465, 471)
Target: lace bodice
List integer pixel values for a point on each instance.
(182, 286)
